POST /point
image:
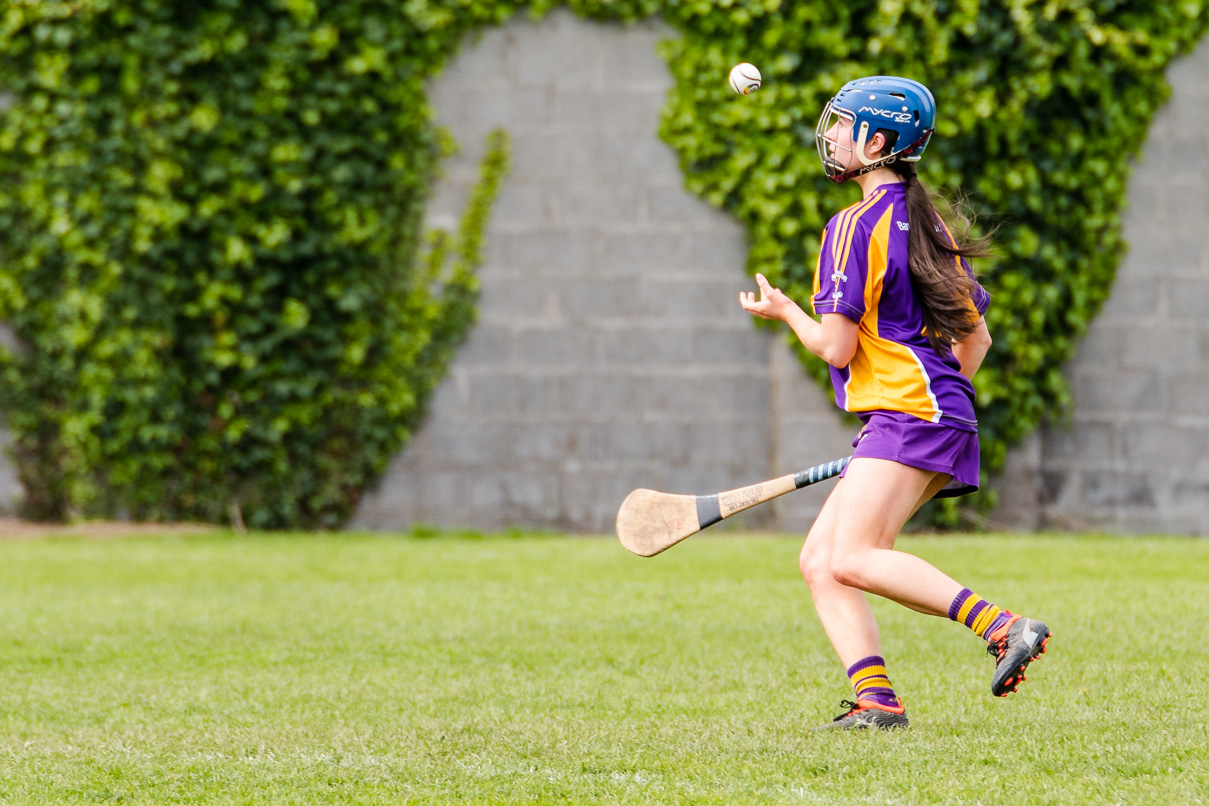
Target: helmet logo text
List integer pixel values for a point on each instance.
(888, 114)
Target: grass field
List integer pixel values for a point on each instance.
(340, 669)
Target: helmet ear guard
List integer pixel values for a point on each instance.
(861, 140)
(890, 103)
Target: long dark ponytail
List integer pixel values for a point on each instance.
(943, 287)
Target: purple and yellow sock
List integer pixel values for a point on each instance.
(870, 681)
(978, 614)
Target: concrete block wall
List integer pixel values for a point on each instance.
(611, 351)
(1134, 456)
(596, 187)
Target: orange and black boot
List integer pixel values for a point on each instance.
(1014, 646)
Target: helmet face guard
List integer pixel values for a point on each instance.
(862, 108)
(835, 152)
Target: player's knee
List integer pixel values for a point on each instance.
(815, 566)
(848, 569)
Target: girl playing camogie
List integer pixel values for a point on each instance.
(903, 331)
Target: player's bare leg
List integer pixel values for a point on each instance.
(874, 501)
(850, 626)
(850, 549)
(848, 620)
(873, 506)
(843, 611)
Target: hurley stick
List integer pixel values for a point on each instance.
(650, 522)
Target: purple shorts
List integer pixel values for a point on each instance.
(918, 443)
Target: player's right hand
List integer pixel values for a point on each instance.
(772, 304)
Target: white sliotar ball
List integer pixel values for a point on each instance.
(744, 78)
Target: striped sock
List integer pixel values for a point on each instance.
(978, 614)
(870, 681)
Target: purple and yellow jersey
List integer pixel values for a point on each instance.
(863, 274)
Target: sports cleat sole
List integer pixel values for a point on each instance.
(1013, 682)
(889, 722)
(866, 718)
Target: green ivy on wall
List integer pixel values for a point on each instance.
(212, 255)
(210, 217)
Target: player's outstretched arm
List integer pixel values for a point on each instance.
(833, 339)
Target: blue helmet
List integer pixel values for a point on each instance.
(897, 105)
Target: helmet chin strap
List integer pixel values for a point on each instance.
(869, 167)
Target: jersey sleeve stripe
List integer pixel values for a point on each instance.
(835, 236)
(842, 229)
(848, 237)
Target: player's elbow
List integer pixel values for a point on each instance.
(981, 339)
(838, 340)
(839, 355)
